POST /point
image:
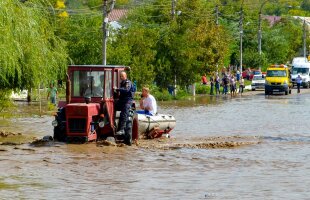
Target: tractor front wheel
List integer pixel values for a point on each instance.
(59, 135)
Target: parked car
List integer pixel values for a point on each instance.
(258, 82)
(251, 75)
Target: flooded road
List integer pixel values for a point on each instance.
(274, 163)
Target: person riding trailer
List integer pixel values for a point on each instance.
(147, 103)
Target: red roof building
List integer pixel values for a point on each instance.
(117, 14)
(272, 19)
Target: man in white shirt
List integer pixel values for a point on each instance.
(147, 103)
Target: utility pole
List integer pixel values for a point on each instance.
(104, 29)
(173, 9)
(241, 37)
(304, 39)
(259, 36)
(217, 24)
(173, 5)
(217, 15)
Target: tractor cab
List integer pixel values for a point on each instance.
(89, 110)
(92, 81)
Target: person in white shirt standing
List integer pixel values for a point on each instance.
(147, 103)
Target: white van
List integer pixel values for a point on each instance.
(299, 60)
(302, 68)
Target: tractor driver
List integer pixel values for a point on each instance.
(93, 90)
(126, 94)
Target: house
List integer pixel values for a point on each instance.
(271, 19)
(115, 15)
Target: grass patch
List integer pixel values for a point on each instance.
(15, 139)
(5, 186)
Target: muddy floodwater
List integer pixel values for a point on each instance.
(250, 147)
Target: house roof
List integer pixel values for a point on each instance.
(271, 19)
(274, 19)
(117, 14)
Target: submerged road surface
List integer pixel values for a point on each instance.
(249, 147)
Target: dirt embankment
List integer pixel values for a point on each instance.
(199, 143)
(10, 138)
(163, 143)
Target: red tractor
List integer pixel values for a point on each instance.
(89, 110)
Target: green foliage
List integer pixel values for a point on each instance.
(202, 89)
(97, 4)
(283, 41)
(280, 42)
(253, 60)
(305, 5)
(84, 37)
(159, 48)
(133, 49)
(81, 4)
(162, 95)
(50, 106)
(6, 103)
(30, 52)
(181, 94)
(178, 48)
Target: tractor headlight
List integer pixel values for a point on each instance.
(54, 123)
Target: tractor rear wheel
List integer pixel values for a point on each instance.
(128, 133)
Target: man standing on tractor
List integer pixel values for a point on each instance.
(126, 94)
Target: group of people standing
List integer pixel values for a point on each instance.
(227, 81)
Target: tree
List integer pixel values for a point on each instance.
(160, 47)
(305, 5)
(30, 52)
(180, 47)
(135, 47)
(283, 41)
(84, 39)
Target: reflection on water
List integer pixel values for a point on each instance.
(277, 167)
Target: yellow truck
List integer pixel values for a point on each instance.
(278, 79)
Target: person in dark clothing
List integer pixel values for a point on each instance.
(217, 84)
(299, 82)
(212, 85)
(126, 94)
(225, 81)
